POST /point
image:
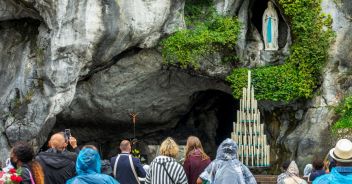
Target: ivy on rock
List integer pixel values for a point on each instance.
(300, 75)
(344, 110)
(207, 33)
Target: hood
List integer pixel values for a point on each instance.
(308, 169)
(293, 169)
(55, 160)
(227, 150)
(92, 179)
(88, 162)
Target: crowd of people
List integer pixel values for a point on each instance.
(57, 165)
(336, 169)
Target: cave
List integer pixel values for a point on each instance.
(209, 115)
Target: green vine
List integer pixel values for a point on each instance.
(299, 76)
(344, 110)
(207, 33)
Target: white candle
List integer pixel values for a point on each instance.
(248, 99)
(242, 151)
(241, 124)
(240, 104)
(244, 98)
(247, 156)
(257, 149)
(255, 104)
(268, 155)
(249, 79)
(253, 100)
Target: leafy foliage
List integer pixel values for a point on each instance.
(207, 33)
(345, 112)
(299, 76)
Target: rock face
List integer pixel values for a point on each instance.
(250, 44)
(72, 39)
(87, 64)
(300, 130)
(136, 83)
(312, 136)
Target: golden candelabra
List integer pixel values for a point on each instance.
(248, 132)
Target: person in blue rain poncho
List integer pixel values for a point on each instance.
(88, 168)
(342, 173)
(226, 168)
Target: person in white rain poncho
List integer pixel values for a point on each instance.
(226, 168)
(293, 175)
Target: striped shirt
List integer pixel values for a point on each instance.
(159, 168)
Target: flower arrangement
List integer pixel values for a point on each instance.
(13, 176)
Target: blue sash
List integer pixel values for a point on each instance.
(268, 33)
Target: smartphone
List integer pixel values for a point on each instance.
(67, 134)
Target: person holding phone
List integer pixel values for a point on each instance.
(72, 141)
(58, 163)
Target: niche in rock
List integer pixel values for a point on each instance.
(257, 10)
(255, 54)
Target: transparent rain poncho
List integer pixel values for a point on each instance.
(226, 168)
(293, 175)
(88, 168)
(307, 170)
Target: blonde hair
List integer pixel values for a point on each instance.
(169, 148)
(194, 143)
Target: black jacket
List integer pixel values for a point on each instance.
(58, 166)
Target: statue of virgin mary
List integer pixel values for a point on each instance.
(270, 28)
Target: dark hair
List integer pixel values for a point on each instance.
(286, 164)
(23, 151)
(318, 164)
